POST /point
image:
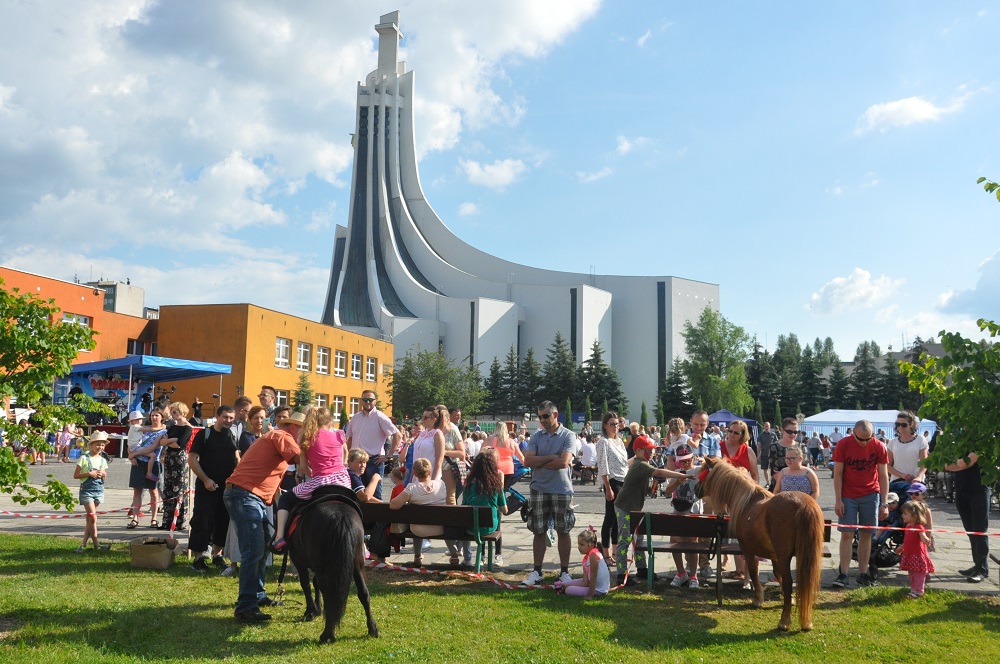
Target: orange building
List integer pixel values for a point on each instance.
(117, 334)
(266, 347)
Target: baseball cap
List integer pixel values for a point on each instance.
(642, 443)
(682, 453)
(893, 497)
(917, 487)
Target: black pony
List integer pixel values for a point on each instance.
(328, 540)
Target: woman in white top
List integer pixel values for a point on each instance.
(612, 464)
(429, 444)
(905, 452)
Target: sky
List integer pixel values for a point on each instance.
(818, 161)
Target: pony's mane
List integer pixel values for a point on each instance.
(731, 487)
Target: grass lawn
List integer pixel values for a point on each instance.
(58, 606)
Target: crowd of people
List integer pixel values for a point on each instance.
(257, 462)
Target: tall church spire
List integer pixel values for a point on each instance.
(388, 42)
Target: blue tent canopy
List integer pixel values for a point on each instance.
(154, 369)
(724, 417)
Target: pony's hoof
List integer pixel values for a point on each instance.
(327, 638)
(757, 603)
(309, 617)
(373, 633)
(807, 628)
(783, 628)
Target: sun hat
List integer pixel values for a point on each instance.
(99, 437)
(294, 418)
(683, 453)
(136, 415)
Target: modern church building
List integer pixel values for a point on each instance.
(400, 274)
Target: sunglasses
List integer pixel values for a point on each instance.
(368, 400)
(791, 432)
(545, 416)
(863, 440)
(900, 425)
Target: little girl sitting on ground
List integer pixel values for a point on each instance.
(596, 579)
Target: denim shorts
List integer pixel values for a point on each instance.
(861, 511)
(95, 496)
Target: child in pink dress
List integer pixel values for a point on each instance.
(914, 549)
(322, 458)
(596, 579)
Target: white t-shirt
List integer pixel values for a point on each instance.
(588, 454)
(472, 447)
(432, 493)
(906, 455)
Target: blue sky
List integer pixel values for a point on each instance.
(818, 162)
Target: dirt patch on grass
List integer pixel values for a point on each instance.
(8, 626)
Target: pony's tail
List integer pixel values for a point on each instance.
(346, 538)
(809, 558)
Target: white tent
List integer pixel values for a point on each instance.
(842, 419)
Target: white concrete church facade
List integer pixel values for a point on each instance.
(399, 273)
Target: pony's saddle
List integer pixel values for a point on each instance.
(322, 495)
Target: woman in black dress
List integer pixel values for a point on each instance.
(175, 469)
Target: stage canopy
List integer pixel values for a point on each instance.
(842, 419)
(154, 369)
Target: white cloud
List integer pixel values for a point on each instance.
(497, 175)
(856, 291)
(468, 209)
(980, 301)
(641, 41)
(903, 112)
(587, 178)
(625, 145)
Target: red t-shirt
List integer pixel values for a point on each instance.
(261, 469)
(861, 464)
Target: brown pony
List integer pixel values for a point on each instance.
(771, 526)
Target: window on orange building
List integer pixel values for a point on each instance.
(322, 360)
(304, 357)
(355, 366)
(340, 364)
(282, 352)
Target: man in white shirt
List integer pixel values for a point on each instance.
(368, 429)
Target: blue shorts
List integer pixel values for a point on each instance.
(91, 496)
(860, 511)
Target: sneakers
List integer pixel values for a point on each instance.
(693, 583)
(219, 562)
(706, 572)
(268, 602)
(532, 579)
(230, 571)
(200, 565)
(968, 572)
(79, 549)
(565, 578)
(498, 560)
(866, 581)
(679, 580)
(976, 577)
(252, 616)
(426, 545)
(841, 581)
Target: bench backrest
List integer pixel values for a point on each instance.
(681, 525)
(463, 516)
(826, 529)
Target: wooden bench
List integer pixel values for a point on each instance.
(460, 516)
(713, 528)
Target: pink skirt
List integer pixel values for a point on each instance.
(305, 490)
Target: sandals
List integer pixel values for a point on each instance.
(154, 524)
(733, 576)
(132, 525)
(453, 561)
(913, 595)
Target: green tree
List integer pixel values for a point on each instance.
(494, 387)
(559, 372)
(661, 417)
(529, 384)
(961, 390)
(568, 415)
(812, 385)
(598, 380)
(717, 351)
(762, 377)
(758, 412)
(838, 388)
(643, 415)
(786, 359)
(675, 396)
(36, 347)
(777, 414)
(865, 379)
(344, 419)
(422, 378)
(893, 386)
(510, 384)
(588, 409)
(303, 396)
(604, 408)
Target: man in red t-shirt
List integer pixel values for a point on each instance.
(249, 490)
(861, 488)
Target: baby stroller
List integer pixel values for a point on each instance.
(884, 545)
